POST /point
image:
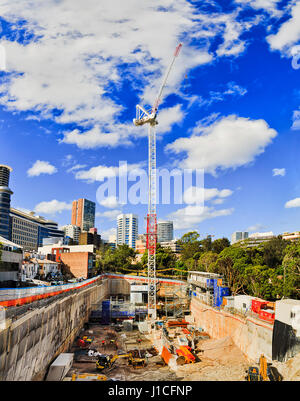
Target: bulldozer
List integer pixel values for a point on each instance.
(107, 361)
(264, 372)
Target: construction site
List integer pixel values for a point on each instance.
(120, 342)
(132, 328)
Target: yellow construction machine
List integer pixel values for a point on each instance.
(107, 361)
(264, 372)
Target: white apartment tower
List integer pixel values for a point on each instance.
(72, 231)
(127, 230)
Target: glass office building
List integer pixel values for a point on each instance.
(5, 194)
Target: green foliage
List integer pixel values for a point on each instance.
(269, 271)
(291, 271)
(273, 252)
(114, 260)
(165, 258)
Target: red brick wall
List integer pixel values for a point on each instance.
(77, 263)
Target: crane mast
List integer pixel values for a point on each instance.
(149, 117)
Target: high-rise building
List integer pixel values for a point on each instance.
(72, 232)
(127, 230)
(239, 236)
(164, 231)
(29, 230)
(83, 214)
(5, 194)
(91, 237)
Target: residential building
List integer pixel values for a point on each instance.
(127, 229)
(91, 237)
(39, 268)
(239, 236)
(164, 231)
(29, 230)
(83, 214)
(5, 194)
(10, 260)
(72, 231)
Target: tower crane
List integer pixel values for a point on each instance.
(144, 116)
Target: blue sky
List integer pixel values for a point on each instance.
(74, 74)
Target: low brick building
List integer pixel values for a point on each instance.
(80, 264)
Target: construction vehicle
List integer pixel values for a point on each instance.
(107, 361)
(263, 372)
(185, 355)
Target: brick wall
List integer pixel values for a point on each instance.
(77, 262)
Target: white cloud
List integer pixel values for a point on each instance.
(227, 143)
(296, 120)
(256, 227)
(110, 202)
(52, 207)
(107, 233)
(279, 171)
(198, 195)
(268, 5)
(191, 216)
(288, 33)
(41, 167)
(76, 167)
(78, 56)
(292, 203)
(109, 214)
(99, 173)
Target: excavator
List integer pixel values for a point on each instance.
(107, 361)
(264, 372)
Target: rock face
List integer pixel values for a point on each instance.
(30, 343)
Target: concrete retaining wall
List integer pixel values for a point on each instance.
(252, 336)
(29, 344)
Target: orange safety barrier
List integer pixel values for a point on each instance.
(166, 355)
(31, 298)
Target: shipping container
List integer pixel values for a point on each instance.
(258, 304)
(267, 314)
(242, 303)
(288, 311)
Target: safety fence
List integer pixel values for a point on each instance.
(20, 296)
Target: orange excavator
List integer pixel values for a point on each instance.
(264, 372)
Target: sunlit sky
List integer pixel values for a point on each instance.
(74, 72)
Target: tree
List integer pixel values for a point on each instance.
(291, 271)
(273, 252)
(206, 244)
(207, 261)
(262, 282)
(232, 262)
(219, 244)
(190, 245)
(113, 260)
(165, 258)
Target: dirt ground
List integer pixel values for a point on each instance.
(220, 360)
(126, 341)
